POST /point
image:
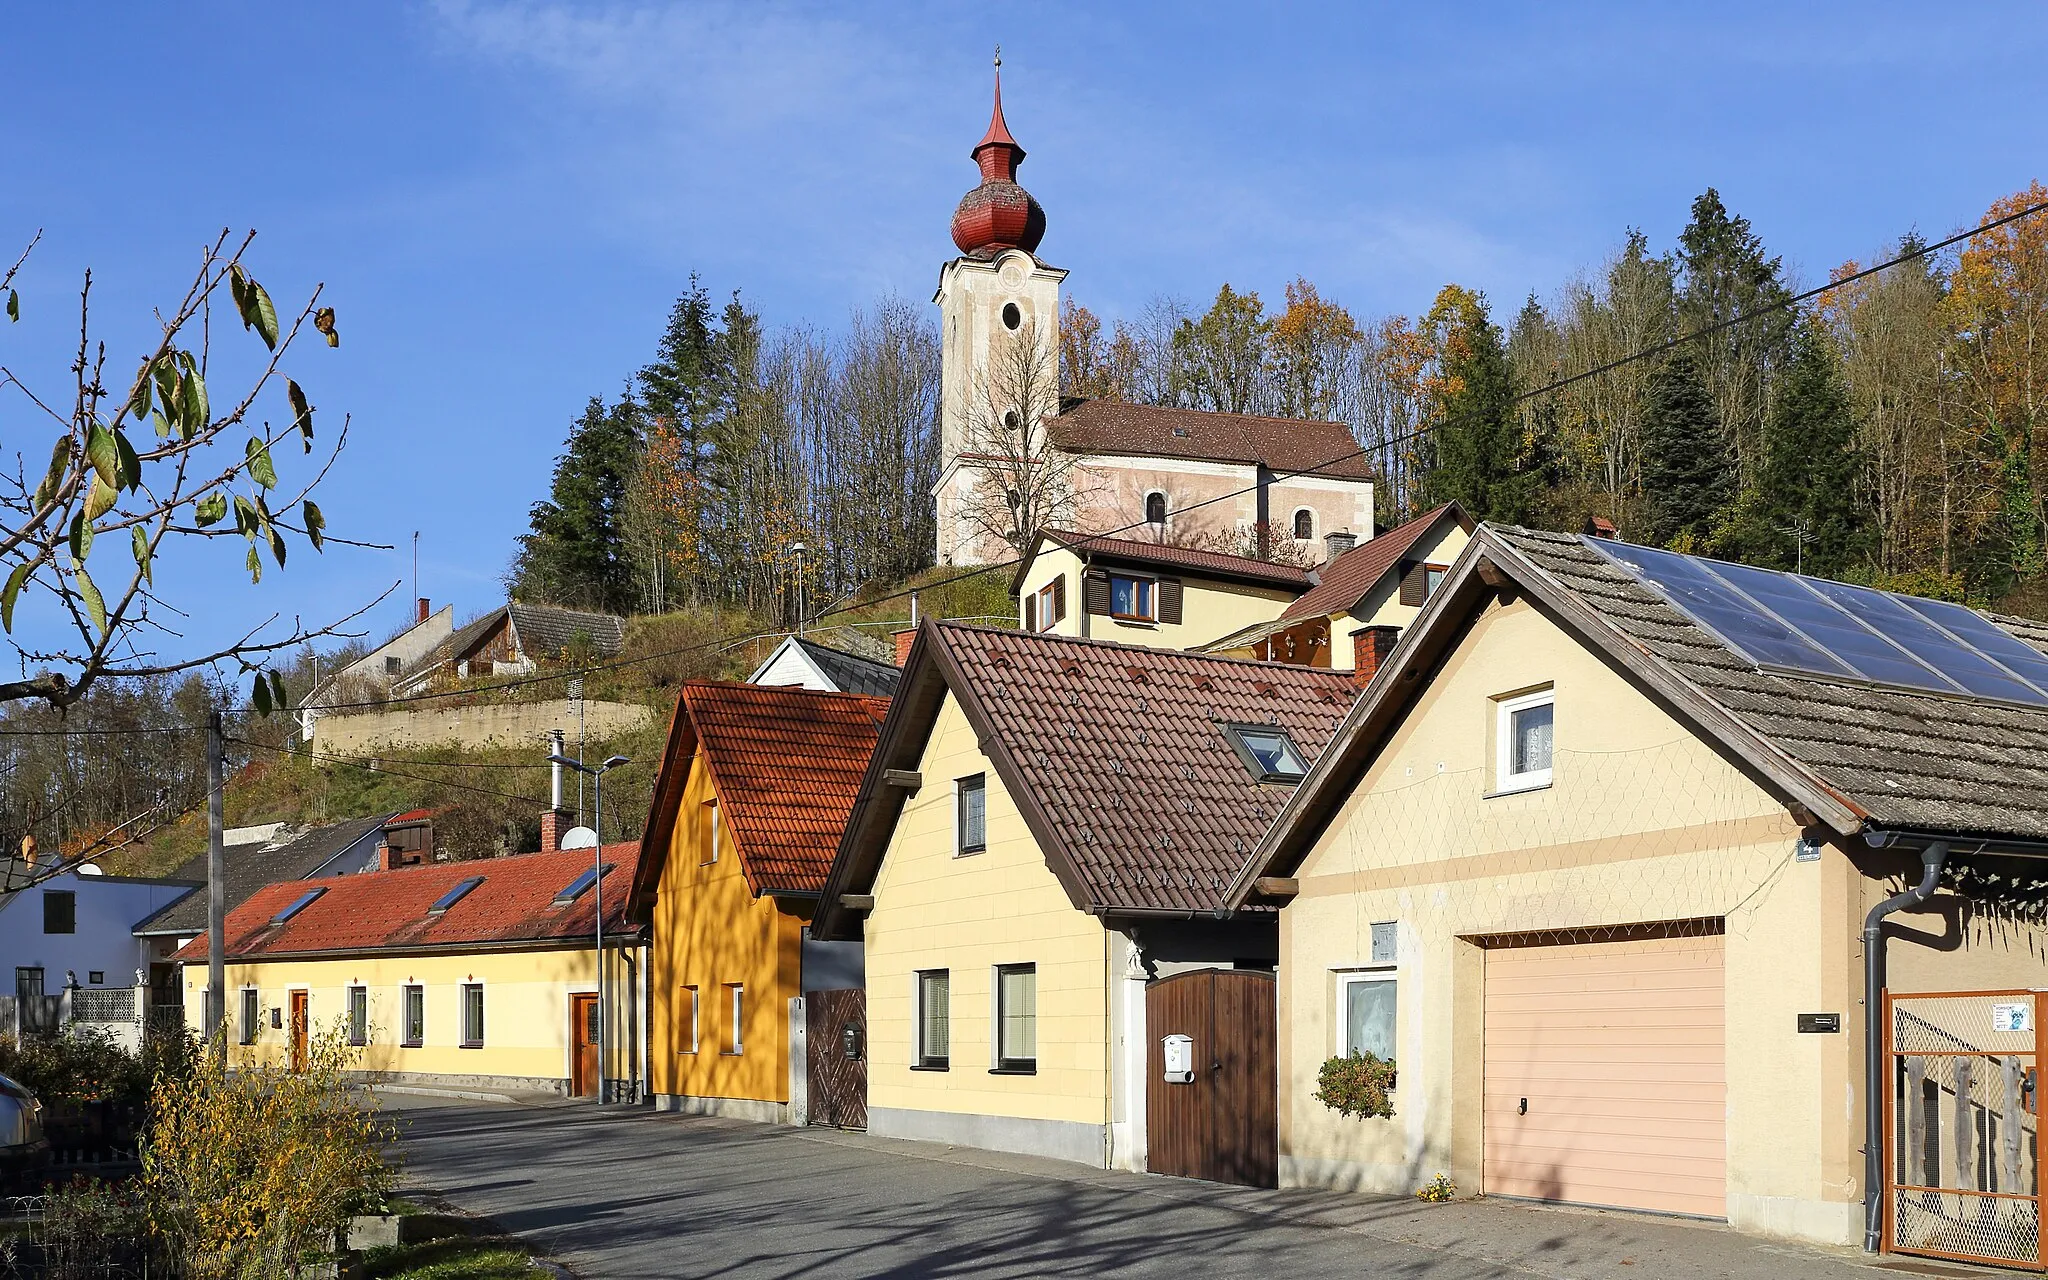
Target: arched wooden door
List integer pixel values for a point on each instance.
(1220, 1122)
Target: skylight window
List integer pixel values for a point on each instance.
(580, 885)
(455, 895)
(1267, 751)
(299, 904)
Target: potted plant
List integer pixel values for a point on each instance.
(1357, 1084)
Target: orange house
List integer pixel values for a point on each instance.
(754, 790)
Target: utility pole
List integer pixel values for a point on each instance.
(216, 887)
(597, 829)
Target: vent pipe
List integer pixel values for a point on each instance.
(555, 750)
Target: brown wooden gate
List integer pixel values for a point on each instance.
(1223, 1125)
(838, 1063)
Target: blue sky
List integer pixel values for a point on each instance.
(503, 198)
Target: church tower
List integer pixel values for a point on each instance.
(999, 334)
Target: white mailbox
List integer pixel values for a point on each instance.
(1180, 1059)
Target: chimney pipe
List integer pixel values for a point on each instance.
(904, 639)
(1336, 544)
(555, 748)
(1369, 648)
(424, 609)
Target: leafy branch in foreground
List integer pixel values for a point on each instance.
(146, 466)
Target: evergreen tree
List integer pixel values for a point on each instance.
(1688, 472)
(1807, 510)
(576, 551)
(1725, 273)
(1473, 447)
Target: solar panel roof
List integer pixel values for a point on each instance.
(1838, 631)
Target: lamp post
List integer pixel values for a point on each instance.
(597, 887)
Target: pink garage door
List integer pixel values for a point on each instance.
(1605, 1079)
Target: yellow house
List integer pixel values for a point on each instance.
(1146, 592)
(1363, 597)
(1602, 860)
(1039, 848)
(754, 789)
(470, 975)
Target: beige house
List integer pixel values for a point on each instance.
(1039, 849)
(1140, 592)
(1592, 859)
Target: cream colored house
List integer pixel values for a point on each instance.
(1040, 843)
(478, 974)
(1591, 861)
(1144, 592)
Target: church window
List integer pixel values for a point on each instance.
(1304, 524)
(1155, 507)
(1013, 317)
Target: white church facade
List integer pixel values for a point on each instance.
(1016, 458)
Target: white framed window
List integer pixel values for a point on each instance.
(1016, 1037)
(252, 1015)
(1367, 1008)
(1522, 734)
(358, 1015)
(415, 1016)
(707, 833)
(934, 1019)
(736, 998)
(686, 1020)
(970, 814)
(1051, 605)
(472, 1015)
(1432, 578)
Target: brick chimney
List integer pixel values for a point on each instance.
(425, 608)
(1336, 544)
(553, 822)
(1369, 648)
(1600, 527)
(904, 639)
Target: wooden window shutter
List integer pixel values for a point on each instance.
(1169, 601)
(1095, 592)
(1059, 600)
(1414, 583)
(1030, 614)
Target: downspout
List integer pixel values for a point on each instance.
(1086, 561)
(1932, 859)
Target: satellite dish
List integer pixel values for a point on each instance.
(579, 838)
(90, 869)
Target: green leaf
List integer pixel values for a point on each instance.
(143, 556)
(103, 453)
(131, 465)
(100, 499)
(277, 698)
(15, 582)
(276, 544)
(166, 375)
(247, 519)
(260, 695)
(95, 607)
(238, 284)
(255, 563)
(138, 398)
(14, 305)
(260, 469)
(81, 538)
(302, 412)
(195, 401)
(316, 526)
(263, 315)
(161, 423)
(60, 462)
(211, 509)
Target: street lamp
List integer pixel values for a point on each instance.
(597, 886)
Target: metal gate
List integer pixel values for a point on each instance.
(1962, 1126)
(1212, 1111)
(836, 1049)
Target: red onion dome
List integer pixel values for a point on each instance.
(998, 214)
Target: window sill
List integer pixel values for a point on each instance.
(931, 1066)
(968, 853)
(1030, 1070)
(1146, 623)
(412, 1044)
(1517, 788)
(471, 1044)
(732, 1053)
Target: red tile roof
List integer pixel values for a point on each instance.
(1115, 754)
(1136, 551)
(387, 910)
(1287, 445)
(786, 763)
(1347, 579)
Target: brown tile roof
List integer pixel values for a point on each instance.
(380, 911)
(1216, 564)
(1857, 756)
(786, 763)
(1115, 754)
(1287, 445)
(1347, 579)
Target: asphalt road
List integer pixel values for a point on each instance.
(629, 1194)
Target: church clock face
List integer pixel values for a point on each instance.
(1012, 274)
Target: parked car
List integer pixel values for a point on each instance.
(24, 1149)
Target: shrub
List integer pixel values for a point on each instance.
(253, 1174)
(93, 1229)
(1437, 1190)
(1356, 1085)
(82, 1066)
